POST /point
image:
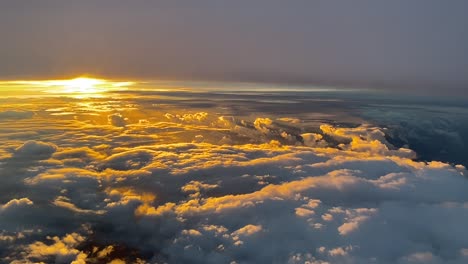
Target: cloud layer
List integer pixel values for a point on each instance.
(113, 182)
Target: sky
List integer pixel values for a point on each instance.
(412, 46)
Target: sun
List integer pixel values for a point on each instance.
(81, 85)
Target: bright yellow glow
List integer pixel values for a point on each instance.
(77, 87)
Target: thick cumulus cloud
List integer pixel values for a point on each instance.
(176, 186)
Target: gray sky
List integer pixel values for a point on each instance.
(417, 45)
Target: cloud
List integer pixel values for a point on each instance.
(321, 209)
(13, 114)
(247, 230)
(16, 203)
(35, 150)
(189, 118)
(313, 140)
(116, 120)
(62, 250)
(255, 190)
(262, 124)
(65, 203)
(128, 160)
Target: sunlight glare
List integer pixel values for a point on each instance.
(77, 87)
(80, 85)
